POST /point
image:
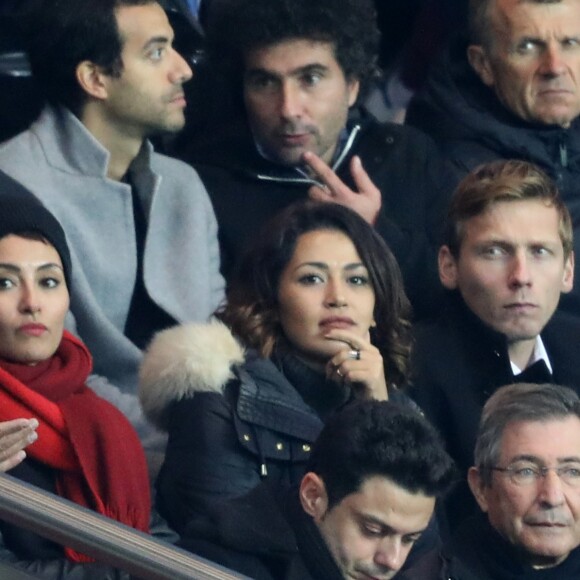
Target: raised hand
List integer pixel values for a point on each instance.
(359, 363)
(366, 201)
(15, 435)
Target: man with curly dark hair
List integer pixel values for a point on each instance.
(296, 70)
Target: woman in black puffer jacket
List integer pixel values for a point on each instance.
(316, 318)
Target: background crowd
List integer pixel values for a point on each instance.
(291, 282)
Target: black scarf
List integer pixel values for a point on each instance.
(322, 395)
(312, 547)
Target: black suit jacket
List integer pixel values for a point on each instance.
(458, 363)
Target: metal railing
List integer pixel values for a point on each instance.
(104, 539)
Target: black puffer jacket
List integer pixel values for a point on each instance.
(233, 419)
(247, 190)
(471, 126)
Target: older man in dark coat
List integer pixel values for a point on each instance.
(512, 93)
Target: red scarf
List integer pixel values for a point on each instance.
(98, 457)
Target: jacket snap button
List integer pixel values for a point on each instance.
(306, 448)
(246, 437)
(279, 446)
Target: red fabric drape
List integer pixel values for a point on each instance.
(97, 455)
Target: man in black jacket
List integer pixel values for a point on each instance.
(507, 258)
(367, 496)
(526, 480)
(512, 93)
(298, 68)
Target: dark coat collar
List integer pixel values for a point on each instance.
(457, 313)
(481, 549)
(267, 399)
(456, 105)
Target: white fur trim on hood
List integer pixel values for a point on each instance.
(183, 360)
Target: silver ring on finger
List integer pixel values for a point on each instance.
(354, 354)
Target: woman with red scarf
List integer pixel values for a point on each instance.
(85, 450)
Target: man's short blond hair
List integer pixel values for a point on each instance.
(503, 181)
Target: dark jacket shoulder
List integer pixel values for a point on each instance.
(232, 419)
(264, 534)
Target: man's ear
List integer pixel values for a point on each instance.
(478, 488)
(447, 268)
(313, 496)
(479, 61)
(91, 79)
(353, 90)
(568, 279)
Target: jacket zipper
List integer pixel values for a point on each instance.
(563, 154)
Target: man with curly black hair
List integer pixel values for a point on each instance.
(297, 70)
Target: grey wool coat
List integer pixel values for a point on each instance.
(63, 165)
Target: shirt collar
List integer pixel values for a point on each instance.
(539, 353)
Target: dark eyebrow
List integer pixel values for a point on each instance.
(524, 457)
(156, 40)
(308, 68)
(385, 528)
(17, 269)
(323, 266)
(260, 72)
(312, 67)
(10, 267)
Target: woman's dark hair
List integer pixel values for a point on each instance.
(251, 310)
(22, 214)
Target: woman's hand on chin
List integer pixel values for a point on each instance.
(359, 363)
(15, 435)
